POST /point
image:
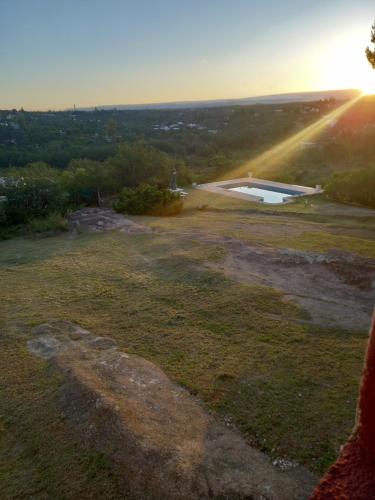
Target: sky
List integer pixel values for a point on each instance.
(57, 53)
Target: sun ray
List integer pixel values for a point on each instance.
(288, 147)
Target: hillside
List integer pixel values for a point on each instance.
(215, 103)
(209, 142)
(269, 353)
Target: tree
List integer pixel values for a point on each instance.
(140, 163)
(34, 191)
(353, 186)
(88, 180)
(371, 53)
(112, 129)
(149, 200)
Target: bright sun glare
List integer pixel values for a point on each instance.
(367, 81)
(344, 64)
(368, 88)
(359, 75)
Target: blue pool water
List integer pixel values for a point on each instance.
(269, 195)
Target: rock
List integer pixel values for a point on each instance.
(159, 438)
(45, 346)
(58, 327)
(96, 220)
(101, 343)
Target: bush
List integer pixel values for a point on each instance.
(354, 186)
(149, 200)
(87, 181)
(53, 222)
(34, 191)
(139, 163)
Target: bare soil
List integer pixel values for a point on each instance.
(335, 288)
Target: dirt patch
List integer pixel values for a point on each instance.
(336, 288)
(98, 220)
(157, 435)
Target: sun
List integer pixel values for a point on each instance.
(344, 65)
(368, 88)
(366, 81)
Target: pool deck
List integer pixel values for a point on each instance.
(222, 187)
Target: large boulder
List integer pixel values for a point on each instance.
(159, 438)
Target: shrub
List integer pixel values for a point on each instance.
(139, 163)
(87, 181)
(34, 191)
(354, 186)
(53, 222)
(149, 200)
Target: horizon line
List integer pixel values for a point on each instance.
(185, 102)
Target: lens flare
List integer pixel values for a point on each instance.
(287, 148)
(368, 89)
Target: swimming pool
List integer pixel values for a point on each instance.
(269, 194)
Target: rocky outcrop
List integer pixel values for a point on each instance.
(160, 438)
(98, 220)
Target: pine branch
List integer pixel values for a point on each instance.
(371, 53)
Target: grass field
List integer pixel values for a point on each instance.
(290, 387)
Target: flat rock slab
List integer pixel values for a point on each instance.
(98, 220)
(161, 439)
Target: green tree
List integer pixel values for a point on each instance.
(112, 129)
(354, 186)
(87, 181)
(150, 200)
(140, 163)
(371, 53)
(33, 191)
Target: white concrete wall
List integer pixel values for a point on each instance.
(221, 187)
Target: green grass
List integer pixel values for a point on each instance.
(314, 240)
(53, 222)
(350, 233)
(40, 457)
(322, 242)
(291, 388)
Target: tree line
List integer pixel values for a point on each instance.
(39, 190)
